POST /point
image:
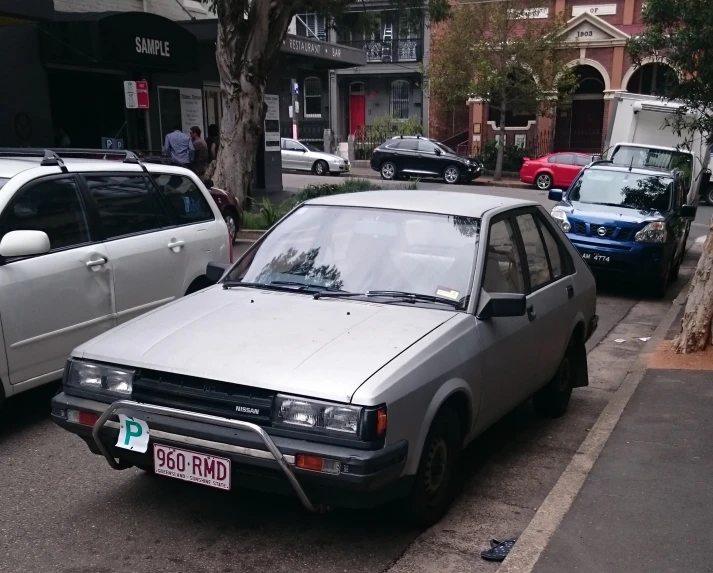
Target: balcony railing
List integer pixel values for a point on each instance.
(401, 50)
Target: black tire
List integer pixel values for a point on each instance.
(437, 478)
(233, 222)
(451, 175)
(543, 181)
(659, 286)
(321, 168)
(552, 400)
(199, 284)
(388, 171)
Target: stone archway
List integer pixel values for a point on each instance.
(580, 124)
(652, 78)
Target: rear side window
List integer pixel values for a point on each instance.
(184, 197)
(554, 251)
(127, 204)
(537, 260)
(53, 206)
(408, 145)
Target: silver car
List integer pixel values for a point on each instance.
(299, 156)
(349, 356)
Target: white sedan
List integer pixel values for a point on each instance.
(305, 157)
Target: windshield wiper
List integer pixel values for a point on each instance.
(413, 297)
(282, 286)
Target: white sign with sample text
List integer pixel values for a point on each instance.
(191, 108)
(272, 123)
(530, 14)
(595, 10)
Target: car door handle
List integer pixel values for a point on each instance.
(176, 244)
(96, 263)
(570, 291)
(531, 314)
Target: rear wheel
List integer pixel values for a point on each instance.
(709, 195)
(437, 477)
(451, 174)
(388, 170)
(553, 399)
(543, 181)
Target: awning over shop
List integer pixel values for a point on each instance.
(25, 11)
(119, 40)
(321, 54)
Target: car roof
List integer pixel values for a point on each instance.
(11, 166)
(644, 146)
(443, 202)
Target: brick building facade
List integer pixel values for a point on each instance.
(596, 33)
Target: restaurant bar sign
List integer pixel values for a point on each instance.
(323, 50)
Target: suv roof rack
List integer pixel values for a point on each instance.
(52, 157)
(600, 162)
(49, 157)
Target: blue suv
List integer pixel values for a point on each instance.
(628, 221)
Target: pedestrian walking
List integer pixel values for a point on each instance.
(213, 141)
(179, 147)
(200, 161)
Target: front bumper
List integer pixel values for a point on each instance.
(259, 461)
(640, 260)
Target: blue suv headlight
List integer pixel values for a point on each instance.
(652, 233)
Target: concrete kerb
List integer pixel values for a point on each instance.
(538, 533)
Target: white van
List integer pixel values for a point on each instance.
(637, 134)
(86, 245)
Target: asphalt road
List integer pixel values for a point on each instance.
(63, 509)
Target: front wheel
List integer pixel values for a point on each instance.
(321, 168)
(543, 181)
(388, 171)
(553, 399)
(437, 476)
(451, 175)
(709, 195)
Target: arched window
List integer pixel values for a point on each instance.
(313, 97)
(356, 88)
(400, 99)
(653, 79)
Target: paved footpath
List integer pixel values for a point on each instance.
(647, 504)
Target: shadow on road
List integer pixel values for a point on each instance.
(27, 409)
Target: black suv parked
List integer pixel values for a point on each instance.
(422, 157)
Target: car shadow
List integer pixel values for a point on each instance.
(27, 409)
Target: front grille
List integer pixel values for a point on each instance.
(580, 228)
(625, 234)
(205, 396)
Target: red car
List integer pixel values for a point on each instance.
(554, 170)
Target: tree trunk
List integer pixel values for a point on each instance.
(501, 144)
(245, 50)
(697, 322)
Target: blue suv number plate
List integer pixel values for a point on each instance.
(596, 258)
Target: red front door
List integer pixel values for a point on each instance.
(357, 112)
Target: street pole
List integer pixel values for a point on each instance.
(295, 105)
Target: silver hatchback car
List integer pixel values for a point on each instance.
(349, 356)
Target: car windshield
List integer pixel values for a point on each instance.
(445, 148)
(358, 250)
(3, 180)
(311, 147)
(622, 188)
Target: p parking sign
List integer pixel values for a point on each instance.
(133, 434)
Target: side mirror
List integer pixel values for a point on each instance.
(501, 305)
(555, 195)
(208, 183)
(438, 151)
(689, 212)
(24, 244)
(596, 158)
(215, 271)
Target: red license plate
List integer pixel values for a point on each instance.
(191, 466)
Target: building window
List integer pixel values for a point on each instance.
(400, 99)
(356, 88)
(313, 97)
(312, 26)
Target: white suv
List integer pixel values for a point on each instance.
(87, 244)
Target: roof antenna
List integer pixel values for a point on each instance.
(631, 165)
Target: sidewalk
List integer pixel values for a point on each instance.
(647, 504)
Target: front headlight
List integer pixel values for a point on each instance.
(317, 415)
(100, 377)
(560, 218)
(652, 233)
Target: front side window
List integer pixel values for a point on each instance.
(400, 99)
(126, 204)
(426, 146)
(182, 194)
(53, 206)
(583, 160)
(538, 266)
(313, 98)
(358, 249)
(503, 268)
(564, 159)
(646, 193)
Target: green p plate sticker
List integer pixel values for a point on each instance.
(133, 434)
